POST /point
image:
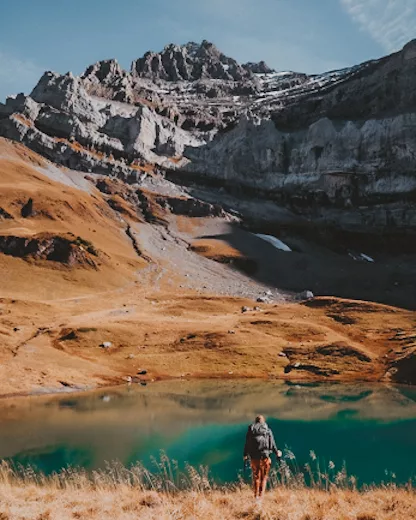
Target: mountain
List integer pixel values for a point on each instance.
(149, 208)
(320, 145)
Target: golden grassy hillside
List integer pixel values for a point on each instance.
(54, 316)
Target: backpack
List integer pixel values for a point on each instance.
(260, 439)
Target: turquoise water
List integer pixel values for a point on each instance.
(372, 429)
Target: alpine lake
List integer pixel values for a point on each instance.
(370, 428)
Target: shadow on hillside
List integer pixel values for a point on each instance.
(324, 272)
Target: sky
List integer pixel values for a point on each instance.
(303, 35)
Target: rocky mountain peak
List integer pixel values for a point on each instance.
(260, 67)
(104, 71)
(189, 62)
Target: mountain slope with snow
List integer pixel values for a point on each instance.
(338, 148)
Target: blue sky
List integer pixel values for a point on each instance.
(303, 35)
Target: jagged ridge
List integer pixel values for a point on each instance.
(321, 145)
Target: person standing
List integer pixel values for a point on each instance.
(259, 445)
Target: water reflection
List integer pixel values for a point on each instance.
(372, 428)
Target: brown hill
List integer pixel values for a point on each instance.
(93, 294)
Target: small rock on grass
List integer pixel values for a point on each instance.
(106, 344)
(305, 295)
(264, 299)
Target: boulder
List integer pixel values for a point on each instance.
(264, 299)
(305, 295)
(27, 209)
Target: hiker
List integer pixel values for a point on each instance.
(259, 445)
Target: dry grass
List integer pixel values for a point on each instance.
(119, 493)
(123, 502)
(214, 248)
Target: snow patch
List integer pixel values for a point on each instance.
(275, 242)
(367, 258)
(361, 257)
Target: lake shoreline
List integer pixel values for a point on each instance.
(165, 337)
(144, 382)
(204, 423)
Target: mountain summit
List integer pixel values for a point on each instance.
(189, 62)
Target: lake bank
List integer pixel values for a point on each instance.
(63, 345)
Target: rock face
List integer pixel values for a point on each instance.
(403, 369)
(338, 148)
(64, 123)
(54, 248)
(190, 207)
(326, 171)
(348, 143)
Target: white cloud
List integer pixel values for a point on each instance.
(391, 23)
(17, 75)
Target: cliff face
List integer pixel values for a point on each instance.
(344, 151)
(339, 148)
(354, 173)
